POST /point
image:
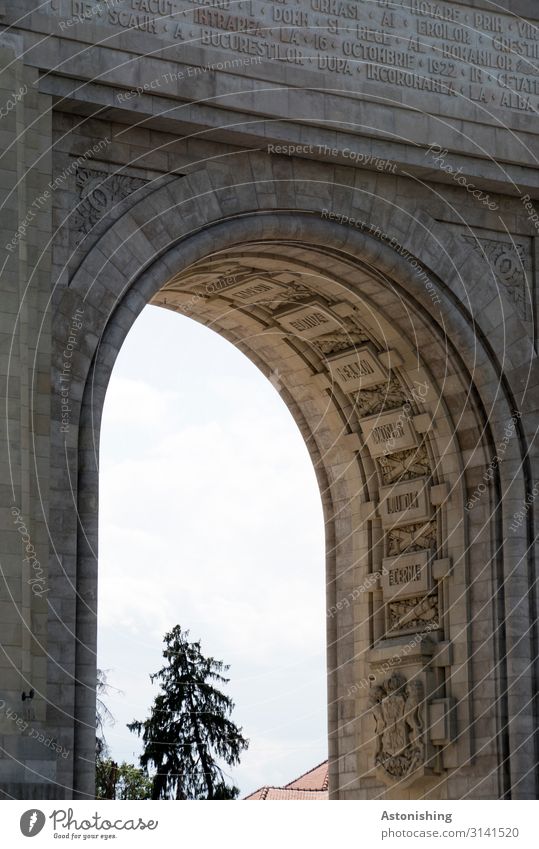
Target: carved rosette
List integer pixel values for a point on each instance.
(510, 264)
(397, 709)
(98, 193)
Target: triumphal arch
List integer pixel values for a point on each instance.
(344, 189)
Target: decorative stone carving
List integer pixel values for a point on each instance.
(295, 293)
(387, 433)
(405, 502)
(404, 465)
(411, 538)
(256, 291)
(340, 340)
(414, 614)
(98, 192)
(310, 321)
(406, 575)
(398, 714)
(348, 335)
(235, 283)
(356, 369)
(390, 396)
(283, 294)
(509, 261)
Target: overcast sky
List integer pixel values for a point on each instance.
(210, 518)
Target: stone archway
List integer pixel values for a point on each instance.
(332, 161)
(401, 296)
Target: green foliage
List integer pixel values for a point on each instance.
(121, 782)
(133, 783)
(189, 727)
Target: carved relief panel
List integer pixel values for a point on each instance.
(398, 710)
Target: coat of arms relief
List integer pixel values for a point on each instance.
(397, 708)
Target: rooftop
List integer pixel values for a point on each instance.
(311, 786)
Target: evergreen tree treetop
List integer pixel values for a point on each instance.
(189, 729)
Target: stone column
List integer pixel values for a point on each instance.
(28, 756)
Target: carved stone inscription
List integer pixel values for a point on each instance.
(357, 370)
(404, 503)
(405, 576)
(256, 292)
(388, 433)
(309, 321)
(458, 53)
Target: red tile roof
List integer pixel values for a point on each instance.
(312, 785)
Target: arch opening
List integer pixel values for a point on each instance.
(210, 517)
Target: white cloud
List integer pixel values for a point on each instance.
(136, 403)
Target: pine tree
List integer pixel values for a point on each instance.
(189, 728)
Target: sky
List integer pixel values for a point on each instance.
(210, 517)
